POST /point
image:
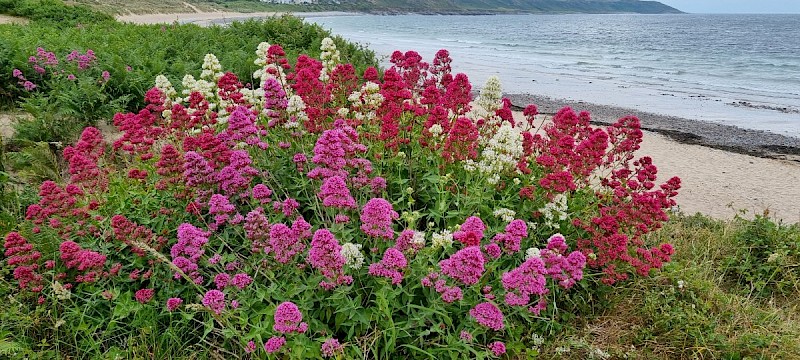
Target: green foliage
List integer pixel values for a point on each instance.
(766, 258)
(54, 12)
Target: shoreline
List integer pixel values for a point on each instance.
(219, 17)
(757, 143)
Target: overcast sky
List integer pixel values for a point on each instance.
(736, 6)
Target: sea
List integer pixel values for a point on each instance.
(741, 70)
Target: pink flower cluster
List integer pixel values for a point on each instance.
(84, 61)
(325, 256)
(214, 300)
(242, 128)
(287, 242)
(488, 315)
(331, 347)
(391, 266)
(337, 151)
(25, 260)
(90, 263)
(274, 344)
(174, 303)
(471, 232)
(511, 239)
(143, 296)
(188, 250)
(334, 193)
(234, 179)
(289, 319)
(497, 348)
(466, 265)
(376, 218)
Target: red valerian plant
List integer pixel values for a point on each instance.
(254, 212)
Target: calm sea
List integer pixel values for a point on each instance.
(742, 70)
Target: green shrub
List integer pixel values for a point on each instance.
(766, 258)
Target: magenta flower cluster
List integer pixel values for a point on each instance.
(376, 218)
(488, 315)
(391, 266)
(325, 256)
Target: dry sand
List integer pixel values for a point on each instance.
(720, 183)
(208, 18)
(6, 19)
(194, 17)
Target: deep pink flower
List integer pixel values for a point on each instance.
(215, 301)
(251, 347)
(174, 303)
(526, 280)
(325, 256)
(144, 295)
(466, 265)
(488, 315)
(465, 335)
(331, 347)
(221, 280)
(274, 344)
(241, 280)
(471, 232)
(262, 193)
(288, 319)
(334, 193)
(390, 266)
(497, 348)
(377, 217)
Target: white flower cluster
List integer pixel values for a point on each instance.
(296, 110)
(501, 154)
(436, 130)
(532, 253)
(329, 57)
(506, 214)
(491, 94)
(352, 255)
(366, 101)
(442, 239)
(166, 88)
(212, 70)
(418, 240)
(488, 101)
(555, 211)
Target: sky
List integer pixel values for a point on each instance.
(735, 6)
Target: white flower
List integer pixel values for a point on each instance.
(555, 211)
(681, 284)
(501, 154)
(418, 240)
(329, 57)
(436, 129)
(506, 214)
(342, 112)
(532, 253)
(443, 239)
(212, 70)
(352, 255)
